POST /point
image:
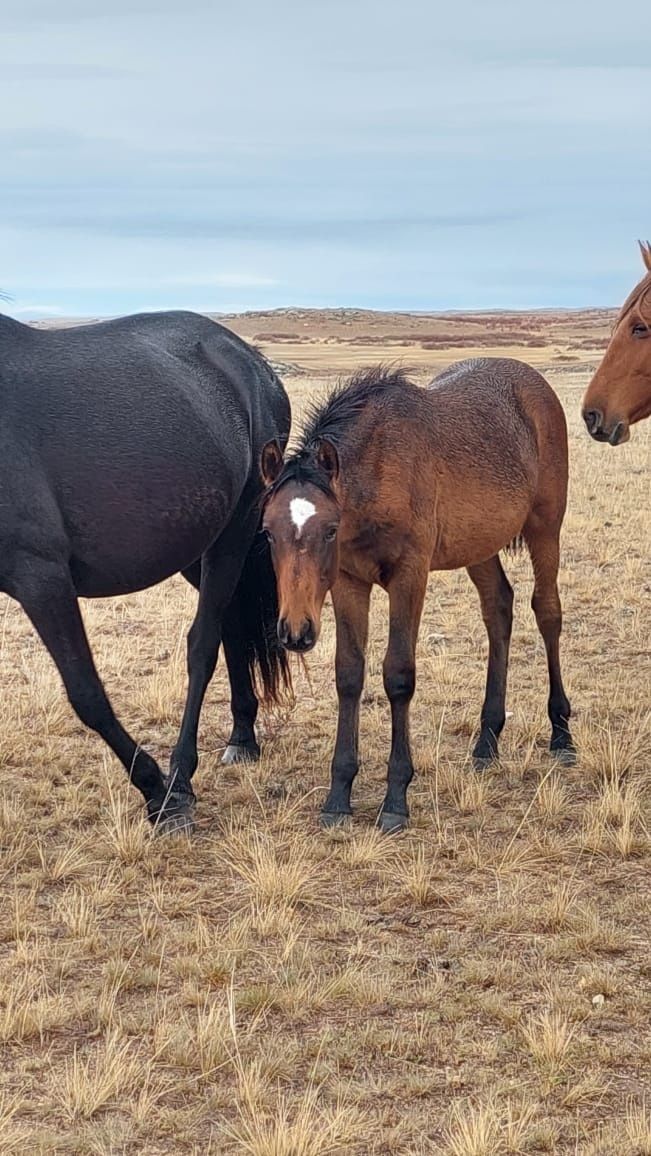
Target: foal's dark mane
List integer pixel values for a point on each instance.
(330, 419)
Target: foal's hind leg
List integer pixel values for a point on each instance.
(496, 597)
(542, 543)
(47, 594)
(406, 596)
(242, 745)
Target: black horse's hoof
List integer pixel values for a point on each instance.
(175, 821)
(390, 823)
(174, 815)
(565, 756)
(483, 762)
(235, 753)
(329, 819)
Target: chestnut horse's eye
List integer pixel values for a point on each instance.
(268, 535)
(640, 330)
(330, 534)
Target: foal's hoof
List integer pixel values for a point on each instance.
(565, 756)
(390, 823)
(239, 754)
(328, 819)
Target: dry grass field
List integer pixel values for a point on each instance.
(478, 986)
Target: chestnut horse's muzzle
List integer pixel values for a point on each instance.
(594, 420)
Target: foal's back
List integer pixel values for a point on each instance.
(493, 398)
(463, 463)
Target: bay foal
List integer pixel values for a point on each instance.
(390, 481)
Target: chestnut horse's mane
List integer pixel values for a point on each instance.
(331, 418)
(637, 298)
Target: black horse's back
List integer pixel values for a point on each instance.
(129, 451)
(156, 420)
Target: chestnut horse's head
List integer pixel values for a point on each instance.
(301, 520)
(620, 391)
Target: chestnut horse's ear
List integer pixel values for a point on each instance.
(645, 250)
(328, 458)
(271, 463)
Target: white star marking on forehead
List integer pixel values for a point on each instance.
(300, 510)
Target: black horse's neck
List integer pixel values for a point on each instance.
(9, 327)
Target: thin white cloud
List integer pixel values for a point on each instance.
(36, 310)
(220, 281)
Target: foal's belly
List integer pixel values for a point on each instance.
(469, 540)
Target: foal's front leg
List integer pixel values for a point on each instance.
(406, 596)
(351, 599)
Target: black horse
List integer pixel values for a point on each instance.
(129, 451)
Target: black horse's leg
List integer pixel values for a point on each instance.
(221, 567)
(406, 596)
(542, 543)
(46, 592)
(496, 597)
(242, 745)
(351, 603)
(193, 574)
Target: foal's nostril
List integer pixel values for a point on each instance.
(593, 419)
(301, 640)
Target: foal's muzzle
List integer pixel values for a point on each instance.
(300, 641)
(594, 420)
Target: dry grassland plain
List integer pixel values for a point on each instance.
(478, 986)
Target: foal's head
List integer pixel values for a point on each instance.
(620, 391)
(301, 520)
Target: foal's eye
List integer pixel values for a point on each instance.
(330, 534)
(640, 330)
(268, 535)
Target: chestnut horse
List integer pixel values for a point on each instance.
(390, 481)
(620, 391)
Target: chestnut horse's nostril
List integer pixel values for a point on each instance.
(593, 419)
(283, 631)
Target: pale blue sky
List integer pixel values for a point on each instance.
(224, 156)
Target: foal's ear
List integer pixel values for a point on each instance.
(645, 250)
(271, 463)
(328, 458)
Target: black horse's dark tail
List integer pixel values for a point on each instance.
(256, 603)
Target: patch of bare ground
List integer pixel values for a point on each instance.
(477, 987)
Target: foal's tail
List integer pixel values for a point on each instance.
(256, 603)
